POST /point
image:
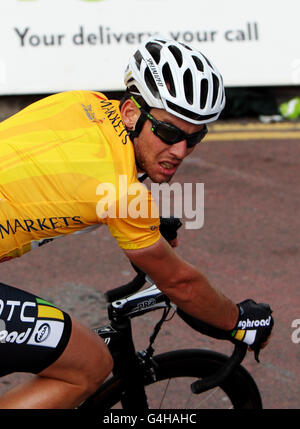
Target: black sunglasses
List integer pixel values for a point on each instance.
(169, 133)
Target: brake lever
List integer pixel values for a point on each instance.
(256, 349)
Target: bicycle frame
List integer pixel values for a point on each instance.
(132, 369)
(127, 362)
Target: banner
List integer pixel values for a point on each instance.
(56, 45)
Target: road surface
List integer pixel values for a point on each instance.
(249, 246)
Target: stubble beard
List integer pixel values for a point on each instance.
(142, 167)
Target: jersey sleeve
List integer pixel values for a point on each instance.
(136, 224)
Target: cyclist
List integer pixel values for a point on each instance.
(67, 165)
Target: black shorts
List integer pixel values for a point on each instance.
(33, 332)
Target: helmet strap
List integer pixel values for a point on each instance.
(138, 126)
(139, 123)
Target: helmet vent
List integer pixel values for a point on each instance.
(150, 82)
(138, 59)
(198, 63)
(177, 54)
(167, 74)
(154, 49)
(188, 113)
(203, 93)
(215, 89)
(188, 86)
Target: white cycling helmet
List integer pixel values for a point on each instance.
(172, 76)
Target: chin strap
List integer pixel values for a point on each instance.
(143, 177)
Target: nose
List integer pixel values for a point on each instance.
(179, 150)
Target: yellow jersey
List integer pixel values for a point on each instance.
(67, 165)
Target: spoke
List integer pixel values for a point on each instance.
(210, 394)
(205, 398)
(172, 392)
(164, 393)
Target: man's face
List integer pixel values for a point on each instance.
(156, 158)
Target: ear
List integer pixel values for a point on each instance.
(130, 114)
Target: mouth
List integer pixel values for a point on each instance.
(168, 168)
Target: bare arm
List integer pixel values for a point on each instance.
(185, 285)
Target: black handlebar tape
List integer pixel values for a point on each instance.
(215, 380)
(120, 292)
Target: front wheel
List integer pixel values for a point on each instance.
(177, 370)
(171, 388)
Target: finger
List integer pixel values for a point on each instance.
(174, 242)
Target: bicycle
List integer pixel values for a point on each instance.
(195, 371)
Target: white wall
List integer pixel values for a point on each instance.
(56, 45)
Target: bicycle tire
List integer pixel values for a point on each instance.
(239, 390)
